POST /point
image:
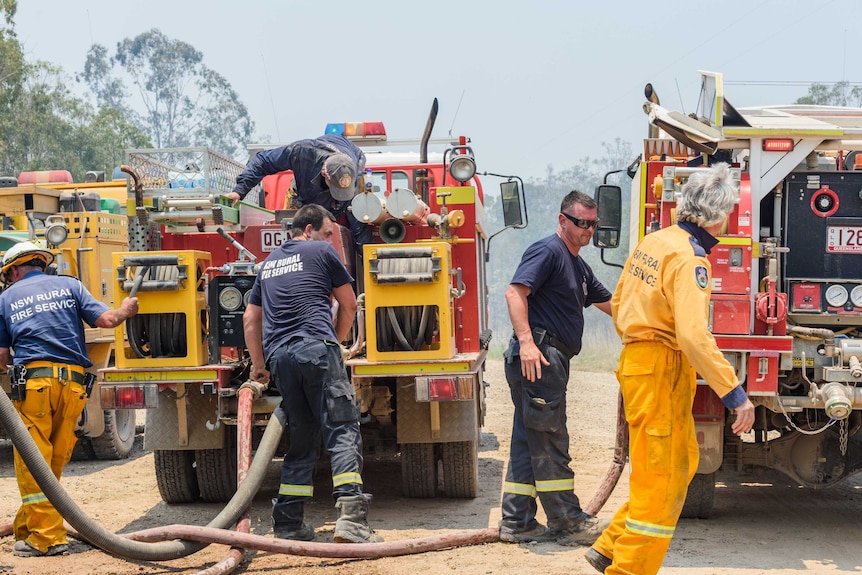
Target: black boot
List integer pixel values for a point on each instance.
(352, 524)
(287, 522)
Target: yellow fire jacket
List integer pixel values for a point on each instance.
(663, 296)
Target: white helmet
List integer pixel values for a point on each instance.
(23, 252)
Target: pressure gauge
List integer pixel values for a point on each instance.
(247, 296)
(230, 299)
(836, 295)
(856, 296)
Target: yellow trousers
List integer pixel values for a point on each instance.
(658, 386)
(49, 411)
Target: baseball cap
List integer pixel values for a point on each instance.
(342, 177)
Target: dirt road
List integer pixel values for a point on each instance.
(761, 525)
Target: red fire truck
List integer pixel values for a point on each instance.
(421, 335)
(786, 303)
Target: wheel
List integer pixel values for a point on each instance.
(175, 476)
(216, 470)
(460, 469)
(418, 470)
(700, 497)
(119, 436)
(83, 450)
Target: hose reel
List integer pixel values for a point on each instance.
(171, 324)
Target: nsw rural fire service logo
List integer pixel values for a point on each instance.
(701, 276)
(344, 181)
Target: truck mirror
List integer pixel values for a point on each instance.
(510, 193)
(609, 200)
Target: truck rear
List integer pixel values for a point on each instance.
(786, 305)
(418, 346)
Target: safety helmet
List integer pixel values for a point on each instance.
(23, 252)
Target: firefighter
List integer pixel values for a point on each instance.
(660, 309)
(325, 172)
(546, 300)
(289, 332)
(41, 324)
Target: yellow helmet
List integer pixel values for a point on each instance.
(24, 252)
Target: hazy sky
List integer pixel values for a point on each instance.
(531, 83)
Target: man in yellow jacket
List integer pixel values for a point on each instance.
(661, 310)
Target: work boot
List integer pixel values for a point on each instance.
(352, 523)
(584, 533)
(287, 522)
(597, 560)
(24, 549)
(533, 532)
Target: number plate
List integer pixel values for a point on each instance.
(271, 239)
(844, 239)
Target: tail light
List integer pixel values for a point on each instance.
(444, 388)
(136, 396)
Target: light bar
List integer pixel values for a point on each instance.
(444, 388)
(135, 396)
(368, 131)
(778, 145)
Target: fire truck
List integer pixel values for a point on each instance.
(786, 305)
(418, 346)
(82, 224)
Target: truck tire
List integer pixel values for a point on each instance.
(460, 469)
(83, 450)
(216, 470)
(700, 497)
(175, 476)
(119, 437)
(418, 470)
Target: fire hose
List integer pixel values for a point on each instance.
(176, 541)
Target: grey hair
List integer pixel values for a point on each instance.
(708, 196)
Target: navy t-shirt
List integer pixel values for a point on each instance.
(561, 286)
(41, 319)
(293, 287)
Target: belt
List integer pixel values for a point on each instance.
(60, 372)
(541, 336)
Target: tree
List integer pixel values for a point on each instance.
(835, 95)
(48, 128)
(178, 100)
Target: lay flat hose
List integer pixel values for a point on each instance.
(621, 450)
(118, 544)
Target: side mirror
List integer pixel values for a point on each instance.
(609, 200)
(513, 213)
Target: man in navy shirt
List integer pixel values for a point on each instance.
(290, 333)
(325, 172)
(546, 300)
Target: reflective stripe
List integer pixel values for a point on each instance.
(297, 490)
(649, 529)
(345, 478)
(555, 485)
(520, 489)
(33, 499)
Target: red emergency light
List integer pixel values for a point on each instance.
(778, 145)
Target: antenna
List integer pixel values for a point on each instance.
(461, 99)
(679, 93)
(271, 101)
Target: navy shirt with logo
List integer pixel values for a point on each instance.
(561, 286)
(42, 319)
(293, 287)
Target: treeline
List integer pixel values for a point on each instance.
(152, 91)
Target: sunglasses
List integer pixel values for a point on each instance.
(583, 224)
